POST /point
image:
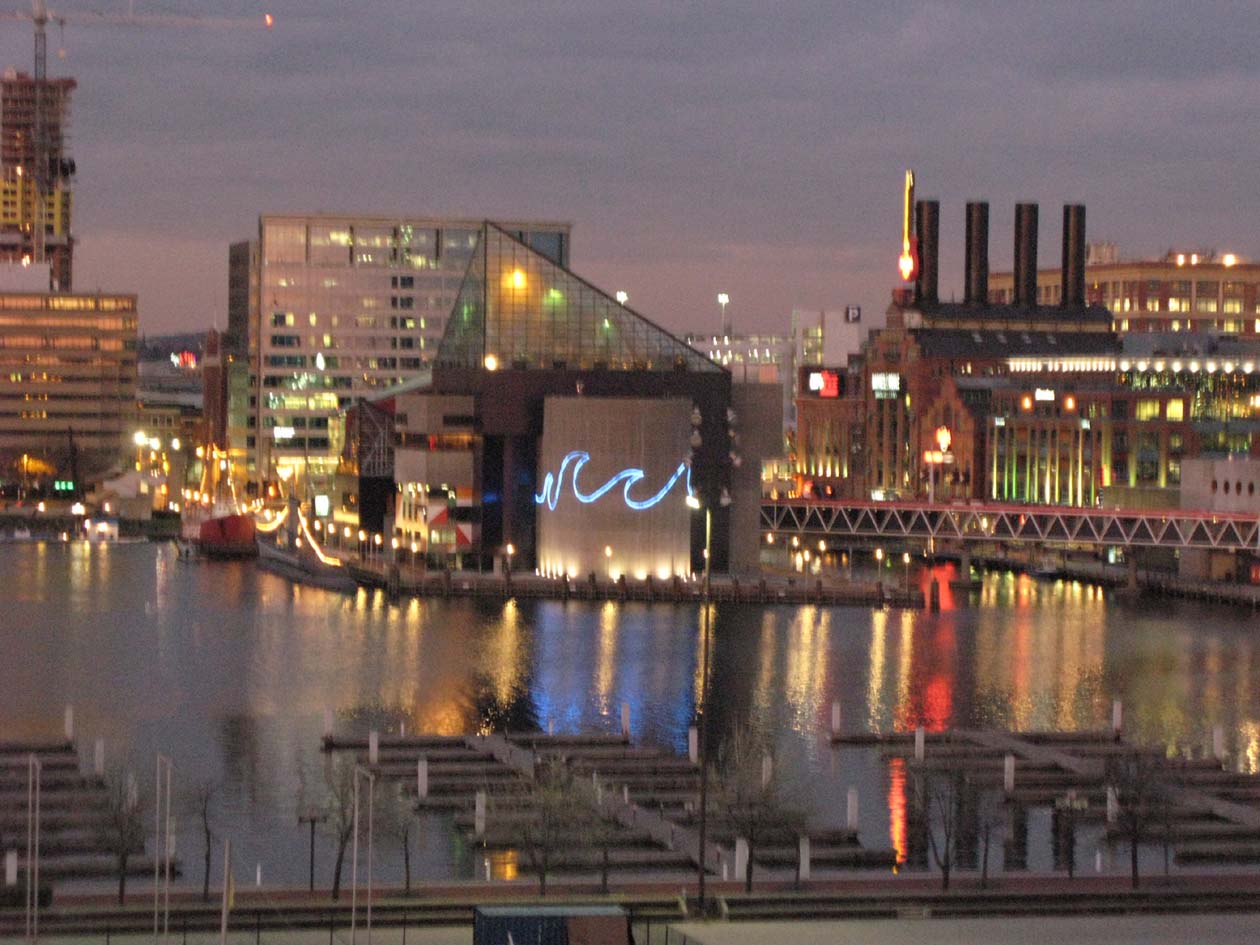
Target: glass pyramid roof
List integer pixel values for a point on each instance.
(517, 309)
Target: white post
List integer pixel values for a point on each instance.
(851, 809)
(486, 861)
(767, 771)
(803, 855)
(625, 719)
(693, 745)
(741, 857)
(1008, 773)
(34, 777)
(835, 717)
(1098, 861)
(10, 868)
(422, 777)
(920, 743)
(354, 863)
(1218, 742)
(98, 758)
(227, 890)
(258, 875)
(1113, 805)
(69, 722)
(328, 722)
(374, 747)
(479, 814)
(625, 794)
(551, 726)
(1117, 715)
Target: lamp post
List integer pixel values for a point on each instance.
(162, 845)
(905, 559)
(608, 559)
(694, 503)
(364, 773)
(723, 301)
(622, 297)
(312, 816)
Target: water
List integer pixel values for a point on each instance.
(229, 670)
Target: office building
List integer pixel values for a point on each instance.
(22, 213)
(346, 307)
(67, 380)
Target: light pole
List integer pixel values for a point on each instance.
(608, 559)
(34, 779)
(694, 503)
(622, 297)
(905, 559)
(312, 817)
(723, 301)
(361, 772)
(162, 844)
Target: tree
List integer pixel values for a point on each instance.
(198, 803)
(546, 827)
(749, 797)
(990, 814)
(938, 799)
(125, 826)
(338, 806)
(396, 820)
(599, 829)
(1136, 778)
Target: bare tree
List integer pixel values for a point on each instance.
(198, 803)
(125, 827)
(990, 815)
(1137, 779)
(599, 829)
(549, 817)
(396, 820)
(938, 799)
(750, 798)
(338, 806)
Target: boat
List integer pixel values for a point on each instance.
(228, 534)
(282, 550)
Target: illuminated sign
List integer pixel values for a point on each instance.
(1042, 394)
(824, 383)
(553, 484)
(885, 386)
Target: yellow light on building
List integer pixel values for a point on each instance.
(491, 363)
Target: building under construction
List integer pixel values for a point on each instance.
(21, 213)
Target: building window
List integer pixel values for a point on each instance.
(1175, 410)
(1147, 410)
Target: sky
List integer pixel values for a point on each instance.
(697, 147)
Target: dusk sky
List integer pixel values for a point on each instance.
(752, 148)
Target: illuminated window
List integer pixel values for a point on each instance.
(1147, 410)
(1175, 411)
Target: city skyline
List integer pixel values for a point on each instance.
(727, 148)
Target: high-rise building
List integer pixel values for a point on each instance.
(21, 212)
(242, 306)
(347, 306)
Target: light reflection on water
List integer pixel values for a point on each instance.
(230, 670)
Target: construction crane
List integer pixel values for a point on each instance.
(41, 16)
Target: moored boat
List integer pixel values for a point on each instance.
(230, 535)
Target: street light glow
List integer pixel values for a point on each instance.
(622, 297)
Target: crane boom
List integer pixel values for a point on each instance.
(41, 16)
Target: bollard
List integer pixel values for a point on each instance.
(98, 758)
(1117, 715)
(835, 717)
(741, 857)
(1113, 805)
(1098, 861)
(486, 861)
(625, 719)
(402, 728)
(69, 722)
(625, 794)
(374, 747)
(920, 743)
(767, 771)
(10, 868)
(851, 811)
(693, 745)
(479, 814)
(328, 723)
(1218, 742)
(803, 857)
(551, 726)
(258, 875)
(422, 777)
(1008, 773)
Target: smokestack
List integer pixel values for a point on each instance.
(976, 275)
(1073, 293)
(927, 231)
(1026, 255)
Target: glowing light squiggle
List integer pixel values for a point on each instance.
(553, 484)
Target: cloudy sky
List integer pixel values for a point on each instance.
(697, 147)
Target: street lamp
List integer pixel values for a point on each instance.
(312, 816)
(879, 557)
(723, 301)
(511, 550)
(694, 503)
(362, 772)
(905, 559)
(622, 297)
(608, 558)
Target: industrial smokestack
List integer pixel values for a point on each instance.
(1026, 255)
(1073, 289)
(976, 275)
(927, 232)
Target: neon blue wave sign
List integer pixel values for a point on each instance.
(553, 484)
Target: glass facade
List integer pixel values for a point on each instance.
(348, 306)
(518, 309)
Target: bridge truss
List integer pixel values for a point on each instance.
(1048, 525)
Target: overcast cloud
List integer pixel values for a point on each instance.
(755, 148)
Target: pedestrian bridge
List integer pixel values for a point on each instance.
(1009, 524)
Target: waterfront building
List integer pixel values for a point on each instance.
(557, 430)
(21, 211)
(67, 379)
(340, 308)
(1200, 292)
